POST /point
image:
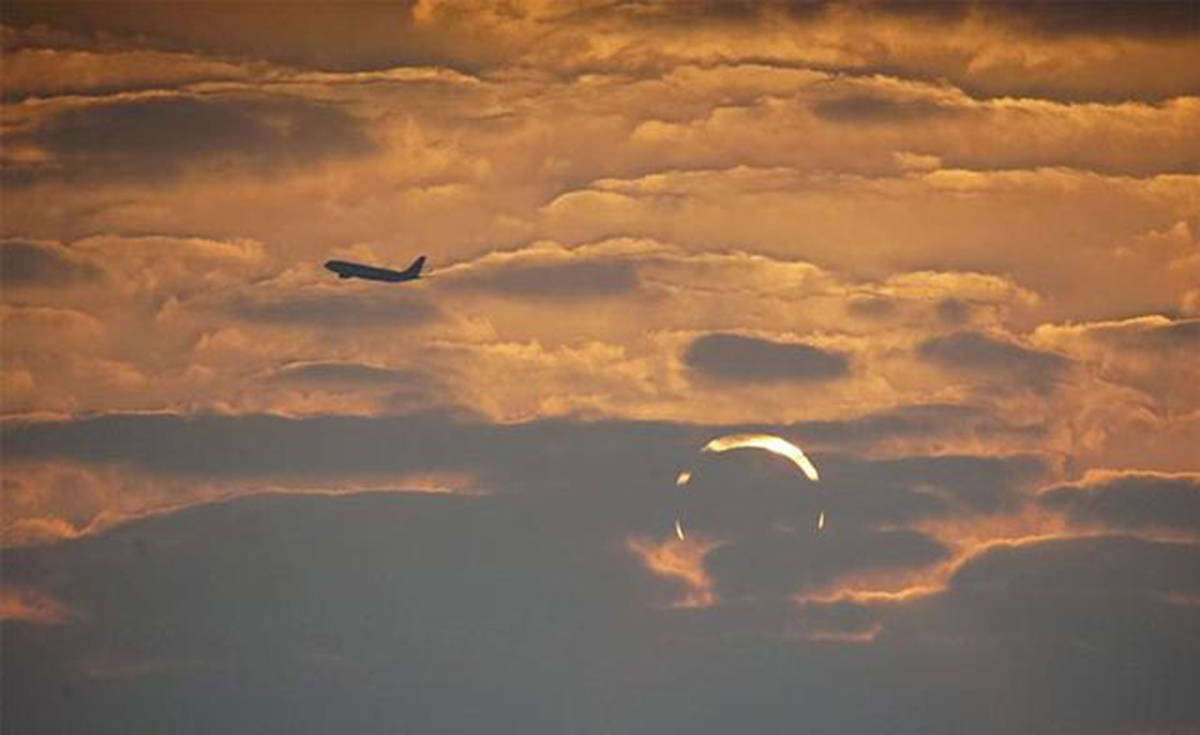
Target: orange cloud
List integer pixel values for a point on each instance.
(50, 71)
(29, 606)
(681, 561)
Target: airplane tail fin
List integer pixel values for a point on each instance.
(414, 270)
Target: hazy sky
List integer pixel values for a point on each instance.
(950, 249)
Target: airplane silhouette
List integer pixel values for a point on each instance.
(346, 269)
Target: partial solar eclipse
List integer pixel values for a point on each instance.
(767, 442)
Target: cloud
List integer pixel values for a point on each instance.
(338, 309)
(529, 604)
(648, 224)
(867, 110)
(130, 268)
(1129, 501)
(1113, 565)
(738, 358)
(1000, 48)
(910, 487)
(340, 373)
(332, 447)
(556, 279)
(783, 564)
(77, 471)
(1153, 354)
(1080, 606)
(958, 219)
(27, 326)
(1161, 20)
(353, 36)
(191, 324)
(871, 306)
(51, 71)
(203, 316)
(954, 311)
(30, 263)
(152, 136)
(919, 425)
(403, 601)
(1004, 49)
(310, 388)
(31, 607)
(1018, 367)
(1153, 333)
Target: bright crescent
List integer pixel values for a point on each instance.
(774, 444)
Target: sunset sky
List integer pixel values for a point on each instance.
(949, 249)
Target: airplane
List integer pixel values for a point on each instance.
(346, 269)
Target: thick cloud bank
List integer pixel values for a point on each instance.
(396, 611)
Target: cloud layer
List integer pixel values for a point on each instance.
(241, 494)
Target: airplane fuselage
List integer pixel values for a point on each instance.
(345, 269)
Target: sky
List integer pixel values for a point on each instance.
(949, 249)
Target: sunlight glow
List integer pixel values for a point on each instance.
(681, 561)
(774, 444)
(769, 442)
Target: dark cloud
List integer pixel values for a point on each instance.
(1106, 18)
(871, 307)
(1159, 18)
(929, 422)
(954, 312)
(1089, 607)
(1091, 600)
(1131, 501)
(691, 14)
(28, 263)
(749, 359)
(751, 494)
(166, 136)
(396, 611)
(334, 36)
(554, 281)
(783, 563)
(547, 453)
(1110, 617)
(944, 11)
(872, 109)
(63, 68)
(634, 464)
(908, 488)
(432, 613)
(352, 309)
(1112, 565)
(837, 616)
(1020, 367)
